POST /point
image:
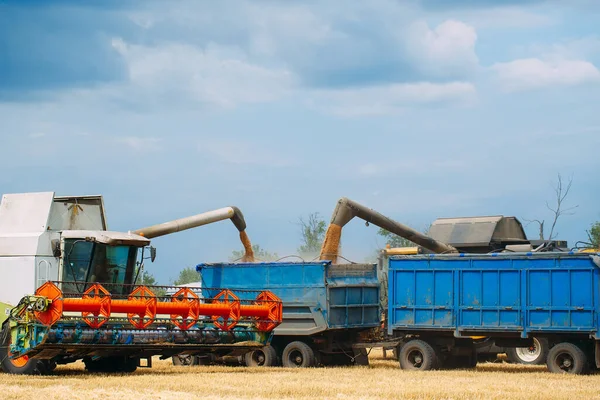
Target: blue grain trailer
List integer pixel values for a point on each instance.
(326, 308)
(438, 303)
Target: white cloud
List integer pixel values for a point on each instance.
(216, 75)
(243, 153)
(446, 50)
(533, 73)
(581, 48)
(394, 98)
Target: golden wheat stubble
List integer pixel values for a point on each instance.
(331, 244)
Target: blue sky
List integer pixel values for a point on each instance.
(419, 109)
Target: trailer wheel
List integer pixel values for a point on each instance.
(533, 355)
(21, 365)
(263, 357)
(298, 355)
(418, 355)
(567, 358)
(184, 360)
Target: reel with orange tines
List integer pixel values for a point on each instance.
(184, 309)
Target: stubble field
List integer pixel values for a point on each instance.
(382, 379)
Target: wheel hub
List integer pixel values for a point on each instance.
(531, 353)
(416, 358)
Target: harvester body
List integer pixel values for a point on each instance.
(73, 285)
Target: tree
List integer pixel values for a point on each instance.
(394, 240)
(594, 235)
(148, 279)
(313, 234)
(259, 254)
(397, 241)
(187, 275)
(561, 191)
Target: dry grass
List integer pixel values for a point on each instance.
(383, 379)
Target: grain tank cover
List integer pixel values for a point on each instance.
(77, 212)
(478, 234)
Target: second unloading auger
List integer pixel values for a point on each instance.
(112, 332)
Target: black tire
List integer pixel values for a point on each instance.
(50, 365)
(185, 360)
(298, 355)
(567, 358)
(533, 355)
(418, 355)
(264, 357)
(205, 359)
(22, 366)
(111, 364)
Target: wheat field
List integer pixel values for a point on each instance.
(382, 379)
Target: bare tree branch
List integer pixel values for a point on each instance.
(562, 192)
(540, 224)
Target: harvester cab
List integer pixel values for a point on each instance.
(87, 257)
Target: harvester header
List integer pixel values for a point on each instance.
(52, 323)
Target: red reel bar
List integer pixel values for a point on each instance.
(188, 308)
(227, 321)
(98, 317)
(142, 306)
(274, 311)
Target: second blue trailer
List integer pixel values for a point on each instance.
(439, 303)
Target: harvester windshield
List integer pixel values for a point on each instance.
(106, 258)
(98, 262)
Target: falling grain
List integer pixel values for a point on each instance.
(331, 244)
(248, 252)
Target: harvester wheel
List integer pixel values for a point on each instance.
(22, 365)
(534, 355)
(567, 358)
(298, 355)
(263, 357)
(418, 355)
(185, 360)
(111, 364)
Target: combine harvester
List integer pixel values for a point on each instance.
(440, 302)
(86, 303)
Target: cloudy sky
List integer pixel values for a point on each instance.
(419, 109)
